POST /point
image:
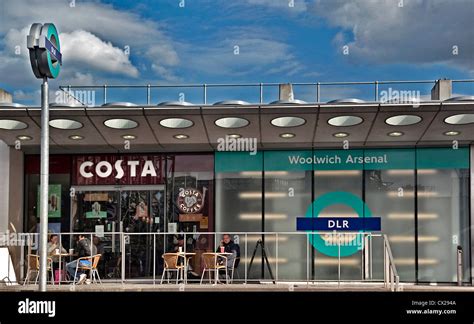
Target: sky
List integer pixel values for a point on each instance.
(139, 42)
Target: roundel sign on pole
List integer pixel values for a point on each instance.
(45, 50)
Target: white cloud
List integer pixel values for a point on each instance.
(82, 48)
(105, 29)
(293, 6)
(421, 31)
(243, 53)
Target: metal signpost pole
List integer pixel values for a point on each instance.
(44, 182)
(46, 59)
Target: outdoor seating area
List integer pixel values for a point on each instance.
(169, 261)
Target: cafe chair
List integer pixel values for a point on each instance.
(211, 264)
(171, 265)
(233, 269)
(91, 266)
(34, 265)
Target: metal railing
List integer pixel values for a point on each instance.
(391, 277)
(137, 257)
(260, 88)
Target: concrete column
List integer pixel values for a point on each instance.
(286, 92)
(4, 188)
(12, 196)
(5, 96)
(442, 90)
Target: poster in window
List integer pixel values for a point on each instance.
(54, 201)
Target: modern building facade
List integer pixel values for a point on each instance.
(236, 167)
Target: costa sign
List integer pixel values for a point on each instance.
(190, 201)
(104, 169)
(118, 170)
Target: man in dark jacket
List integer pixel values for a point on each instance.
(230, 247)
(84, 249)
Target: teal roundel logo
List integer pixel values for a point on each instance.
(45, 50)
(349, 243)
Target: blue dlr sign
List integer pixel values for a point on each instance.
(345, 224)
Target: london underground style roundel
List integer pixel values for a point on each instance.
(45, 50)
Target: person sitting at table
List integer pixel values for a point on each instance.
(230, 247)
(189, 249)
(179, 243)
(84, 249)
(53, 248)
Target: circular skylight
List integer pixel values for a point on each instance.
(346, 101)
(11, 124)
(288, 121)
(460, 119)
(119, 104)
(231, 103)
(175, 103)
(65, 124)
(176, 123)
(341, 121)
(403, 120)
(231, 122)
(120, 123)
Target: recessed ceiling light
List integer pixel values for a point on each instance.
(403, 120)
(24, 138)
(287, 135)
(128, 136)
(181, 136)
(234, 135)
(341, 121)
(76, 137)
(395, 134)
(231, 122)
(11, 124)
(451, 133)
(120, 123)
(176, 123)
(288, 121)
(65, 124)
(460, 119)
(341, 134)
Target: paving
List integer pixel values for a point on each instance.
(240, 287)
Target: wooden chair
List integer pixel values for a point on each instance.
(171, 264)
(34, 265)
(91, 266)
(211, 264)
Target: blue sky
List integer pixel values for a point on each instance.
(276, 42)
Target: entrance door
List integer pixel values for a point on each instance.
(138, 211)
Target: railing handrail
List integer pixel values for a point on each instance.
(214, 232)
(393, 274)
(260, 86)
(121, 239)
(265, 84)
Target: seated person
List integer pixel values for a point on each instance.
(54, 245)
(230, 247)
(189, 248)
(84, 249)
(179, 243)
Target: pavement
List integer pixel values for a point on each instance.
(241, 287)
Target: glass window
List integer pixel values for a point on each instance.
(443, 223)
(287, 196)
(326, 181)
(390, 195)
